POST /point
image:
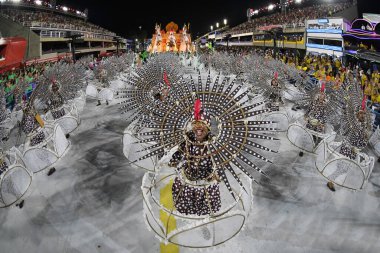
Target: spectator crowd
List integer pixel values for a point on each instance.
(295, 17)
(36, 18)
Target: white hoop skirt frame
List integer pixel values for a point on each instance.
(117, 84)
(103, 94)
(15, 181)
(10, 121)
(194, 231)
(303, 138)
(279, 118)
(46, 153)
(341, 170)
(80, 101)
(69, 122)
(130, 148)
(374, 141)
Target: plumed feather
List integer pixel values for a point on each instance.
(323, 86)
(197, 109)
(166, 79)
(364, 102)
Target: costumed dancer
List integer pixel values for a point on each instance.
(275, 95)
(172, 44)
(31, 125)
(211, 173)
(164, 90)
(316, 114)
(195, 166)
(158, 41)
(357, 137)
(102, 77)
(3, 115)
(185, 38)
(356, 126)
(3, 163)
(55, 102)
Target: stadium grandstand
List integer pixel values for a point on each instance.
(281, 25)
(295, 17)
(53, 31)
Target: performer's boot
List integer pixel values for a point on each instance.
(331, 186)
(51, 171)
(21, 204)
(107, 102)
(98, 103)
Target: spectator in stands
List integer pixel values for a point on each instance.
(46, 19)
(295, 17)
(9, 88)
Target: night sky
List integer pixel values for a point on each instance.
(200, 14)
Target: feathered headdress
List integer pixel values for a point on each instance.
(200, 114)
(166, 79)
(364, 102)
(323, 86)
(197, 109)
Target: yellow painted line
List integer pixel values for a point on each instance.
(166, 199)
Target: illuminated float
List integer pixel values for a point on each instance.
(170, 39)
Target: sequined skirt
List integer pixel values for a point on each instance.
(348, 152)
(58, 113)
(195, 200)
(37, 139)
(3, 167)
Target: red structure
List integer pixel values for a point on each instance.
(12, 52)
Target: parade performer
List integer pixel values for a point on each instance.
(356, 125)
(171, 44)
(3, 105)
(185, 38)
(275, 94)
(209, 146)
(31, 125)
(55, 102)
(150, 85)
(58, 84)
(3, 163)
(196, 167)
(157, 44)
(316, 114)
(357, 129)
(101, 75)
(201, 156)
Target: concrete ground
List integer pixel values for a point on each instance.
(93, 203)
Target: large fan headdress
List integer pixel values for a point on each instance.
(239, 141)
(117, 64)
(67, 79)
(3, 113)
(261, 73)
(225, 62)
(146, 85)
(3, 109)
(356, 123)
(330, 105)
(105, 72)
